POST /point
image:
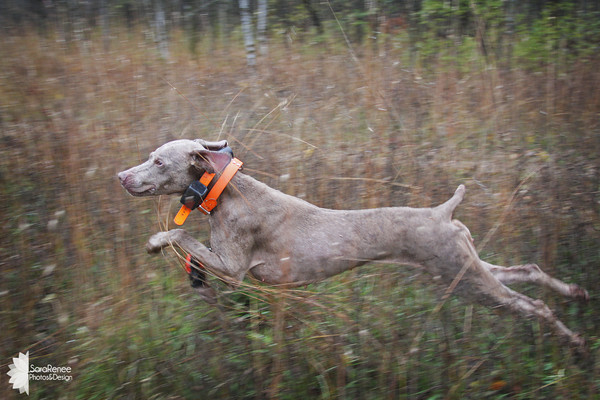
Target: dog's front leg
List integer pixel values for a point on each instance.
(160, 240)
(182, 239)
(163, 239)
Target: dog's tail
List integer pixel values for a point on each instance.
(446, 209)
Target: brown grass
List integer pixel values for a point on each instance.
(78, 289)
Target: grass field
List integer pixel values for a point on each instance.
(388, 127)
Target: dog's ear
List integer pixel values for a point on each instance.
(210, 161)
(214, 146)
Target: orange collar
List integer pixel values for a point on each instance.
(210, 201)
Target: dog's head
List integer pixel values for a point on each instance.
(173, 166)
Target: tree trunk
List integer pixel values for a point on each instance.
(373, 21)
(160, 30)
(247, 31)
(314, 16)
(261, 26)
(222, 16)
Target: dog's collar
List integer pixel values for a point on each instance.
(196, 195)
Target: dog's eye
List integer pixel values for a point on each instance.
(158, 163)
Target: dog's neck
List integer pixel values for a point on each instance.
(219, 185)
(198, 195)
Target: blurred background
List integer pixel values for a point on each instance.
(347, 104)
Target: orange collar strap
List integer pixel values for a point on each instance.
(210, 201)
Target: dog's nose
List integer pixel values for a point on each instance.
(123, 177)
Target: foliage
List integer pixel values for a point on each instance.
(561, 35)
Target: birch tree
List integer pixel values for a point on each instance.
(261, 27)
(247, 32)
(160, 30)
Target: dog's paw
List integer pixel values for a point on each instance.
(579, 293)
(157, 242)
(207, 294)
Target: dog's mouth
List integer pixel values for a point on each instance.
(143, 190)
(135, 187)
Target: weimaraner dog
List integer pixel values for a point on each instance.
(282, 240)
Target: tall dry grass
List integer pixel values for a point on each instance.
(78, 289)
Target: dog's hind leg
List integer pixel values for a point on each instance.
(531, 273)
(523, 306)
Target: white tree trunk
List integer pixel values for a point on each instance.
(247, 32)
(261, 27)
(160, 30)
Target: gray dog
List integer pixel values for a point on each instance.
(282, 240)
